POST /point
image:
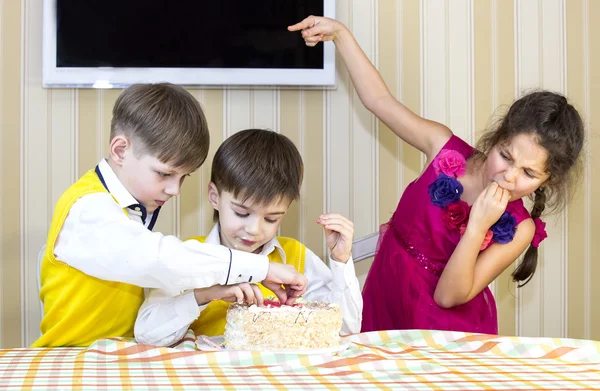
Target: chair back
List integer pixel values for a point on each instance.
(364, 247)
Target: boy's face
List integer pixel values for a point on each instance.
(148, 180)
(245, 226)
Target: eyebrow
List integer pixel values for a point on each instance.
(248, 208)
(527, 168)
(165, 169)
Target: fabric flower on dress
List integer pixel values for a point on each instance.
(504, 229)
(540, 232)
(456, 214)
(451, 163)
(445, 189)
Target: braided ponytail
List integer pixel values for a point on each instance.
(525, 270)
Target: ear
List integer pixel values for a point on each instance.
(118, 147)
(213, 195)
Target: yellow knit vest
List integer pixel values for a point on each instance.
(212, 320)
(80, 309)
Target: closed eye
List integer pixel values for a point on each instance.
(504, 156)
(529, 174)
(270, 221)
(240, 214)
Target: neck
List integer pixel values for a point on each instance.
(473, 181)
(113, 166)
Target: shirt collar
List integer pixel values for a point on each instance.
(114, 186)
(123, 197)
(273, 244)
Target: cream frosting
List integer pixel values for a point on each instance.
(313, 325)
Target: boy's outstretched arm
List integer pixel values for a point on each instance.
(101, 241)
(427, 136)
(165, 316)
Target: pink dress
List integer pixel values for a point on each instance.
(413, 249)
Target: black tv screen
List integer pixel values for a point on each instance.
(181, 35)
(184, 33)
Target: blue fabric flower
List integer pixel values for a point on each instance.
(504, 229)
(445, 189)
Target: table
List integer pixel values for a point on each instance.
(386, 360)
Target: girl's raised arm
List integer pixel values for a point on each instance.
(427, 136)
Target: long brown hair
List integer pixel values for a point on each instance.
(559, 129)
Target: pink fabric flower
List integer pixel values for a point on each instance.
(540, 232)
(487, 240)
(450, 162)
(455, 215)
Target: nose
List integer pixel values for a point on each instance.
(253, 226)
(510, 174)
(173, 188)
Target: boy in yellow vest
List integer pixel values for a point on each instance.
(101, 249)
(256, 174)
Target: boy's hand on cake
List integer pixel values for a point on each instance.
(316, 29)
(285, 281)
(240, 293)
(339, 232)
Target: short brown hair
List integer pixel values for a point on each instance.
(258, 164)
(163, 120)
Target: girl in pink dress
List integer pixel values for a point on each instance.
(462, 222)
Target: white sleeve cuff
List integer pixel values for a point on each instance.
(187, 307)
(344, 274)
(246, 267)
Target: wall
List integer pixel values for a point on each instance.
(451, 61)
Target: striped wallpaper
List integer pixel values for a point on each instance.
(453, 61)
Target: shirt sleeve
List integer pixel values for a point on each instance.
(100, 240)
(337, 285)
(165, 317)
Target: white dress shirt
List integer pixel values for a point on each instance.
(166, 315)
(100, 240)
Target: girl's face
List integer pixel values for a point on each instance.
(245, 226)
(518, 166)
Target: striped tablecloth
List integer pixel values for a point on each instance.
(412, 360)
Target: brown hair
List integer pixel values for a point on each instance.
(258, 164)
(559, 129)
(163, 120)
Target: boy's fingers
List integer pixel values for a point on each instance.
(248, 293)
(277, 289)
(341, 228)
(337, 228)
(239, 295)
(258, 295)
(337, 216)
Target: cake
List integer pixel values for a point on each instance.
(305, 325)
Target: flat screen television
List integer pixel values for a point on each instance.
(116, 43)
